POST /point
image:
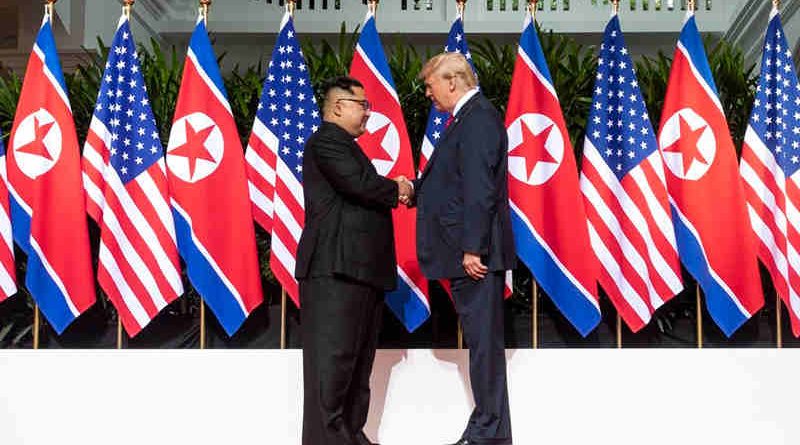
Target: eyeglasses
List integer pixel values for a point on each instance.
(364, 102)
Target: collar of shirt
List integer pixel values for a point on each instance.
(467, 96)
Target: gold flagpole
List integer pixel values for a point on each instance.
(36, 326)
(699, 320)
(615, 11)
(204, 5)
(283, 318)
(126, 8)
(535, 287)
(535, 313)
(460, 5)
(127, 5)
(690, 5)
(49, 9)
(778, 327)
(202, 323)
(119, 331)
(532, 6)
(373, 6)
(290, 5)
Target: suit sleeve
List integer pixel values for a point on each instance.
(348, 177)
(479, 156)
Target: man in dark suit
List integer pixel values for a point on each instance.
(464, 233)
(345, 263)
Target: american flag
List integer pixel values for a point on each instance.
(769, 166)
(8, 280)
(126, 190)
(287, 115)
(437, 120)
(622, 181)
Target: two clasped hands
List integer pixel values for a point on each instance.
(472, 261)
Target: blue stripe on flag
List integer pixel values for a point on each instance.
(690, 39)
(570, 300)
(529, 42)
(204, 53)
(47, 44)
(370, 43)
(407, 306)
(205, 279)
(40, 284)
(719, 302)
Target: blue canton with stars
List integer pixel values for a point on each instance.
(456, 42)
(776, 110)
(618, 125)
(124, 108)
(288, 106)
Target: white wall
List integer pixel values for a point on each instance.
(651, 396)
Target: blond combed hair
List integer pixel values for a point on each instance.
(450, 65)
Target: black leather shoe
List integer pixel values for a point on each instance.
(361, 438)
(465, 441)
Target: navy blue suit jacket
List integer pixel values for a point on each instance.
(462, 195)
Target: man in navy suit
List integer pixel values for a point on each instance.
(464, 233)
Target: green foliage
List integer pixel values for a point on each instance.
(10, 88)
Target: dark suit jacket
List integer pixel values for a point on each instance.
(348, 220)
(462, 195)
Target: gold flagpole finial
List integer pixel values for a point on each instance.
(460, 5)
(776, 4)
(373, 6)
(290, 4)
(127, 5)
(691, 6)
(49, 6)
(204, 5)
(532, 7)
(615, 6)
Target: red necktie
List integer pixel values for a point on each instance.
(448, 121)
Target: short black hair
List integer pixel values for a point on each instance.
(346, 83)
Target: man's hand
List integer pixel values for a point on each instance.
(473, 266)
(404, 189)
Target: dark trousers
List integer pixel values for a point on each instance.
(480, 306)
(340, 323)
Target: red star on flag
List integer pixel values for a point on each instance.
(194, 148)
(36, 146)
(372, 145)
(686, 145)
(533, 148)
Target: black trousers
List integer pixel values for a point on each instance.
(340, 324)
(480, 306)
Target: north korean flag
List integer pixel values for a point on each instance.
(387, 144)
(548, 215)
(48, 208)
(208, 188)
(714, 238)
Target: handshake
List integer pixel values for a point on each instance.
(405, 189)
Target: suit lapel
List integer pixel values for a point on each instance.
(456, 121)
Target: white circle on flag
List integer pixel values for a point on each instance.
(37, 143)
(691, 162)
(519, 167)
(390, 143)
(200, 132)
